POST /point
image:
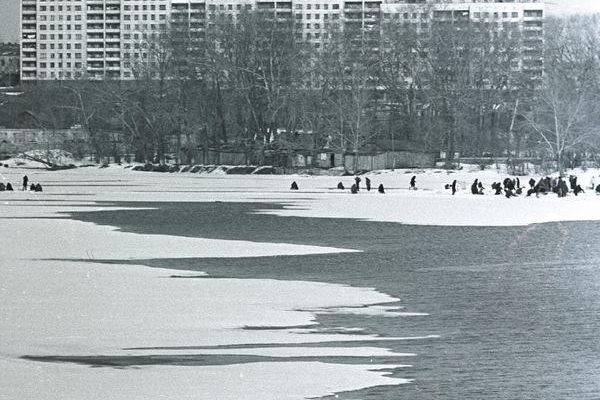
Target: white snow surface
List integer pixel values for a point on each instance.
(318, 197)
(56, 300)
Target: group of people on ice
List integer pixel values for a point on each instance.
(508, 187)
(356, 185)
(34, 187)
(512, 187)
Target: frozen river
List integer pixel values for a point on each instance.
(516, 309)
(131, 285)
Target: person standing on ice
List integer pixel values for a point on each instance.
(413, 183)
(357, 183)
(368, 184)
(381, 189)
(25, 181)
(453, 187)
(474, 187)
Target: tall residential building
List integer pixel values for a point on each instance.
(67, 39)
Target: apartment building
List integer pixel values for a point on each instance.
(103, 39)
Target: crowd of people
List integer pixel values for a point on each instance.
(509, 187)
(34, 187)
(512, 187)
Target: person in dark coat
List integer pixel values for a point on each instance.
(32, 187)
(518, 183)
(294, 186)
(497, 187)
(340, 186)
(578, 189)
(453, 187)
(25, 181)
(532, 183)
(9, 187)
(474, 188)
(541, 187)
(480, 188)
(572, 182)
(368, 184)
(354, 189)
(2, 187)
(38, 187)
(413, 183)
(564, 187)
(380, 189)
(357, 183)
(561, 188)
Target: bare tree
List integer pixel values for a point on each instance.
(565, 115)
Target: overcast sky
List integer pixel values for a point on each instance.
(9, 17)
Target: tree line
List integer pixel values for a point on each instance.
(256, 83)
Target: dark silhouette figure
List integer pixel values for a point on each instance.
(598, 189)
(508, 193)
(497, 187)
(578, 189)
(532, 183)
(573, 182)
(32, 187)
(354, 189)
(474, 188)
(413, 183)
(368, 184)
(25, 181)
(340, 186)
(509, 184)
(294, 186)
(518, 183)
(380, 189)
(38, 187)
(519, 191)
(2, 187)
(9, 187)
(480, 187)
(453, 187)
(357, 183)
(561, 188)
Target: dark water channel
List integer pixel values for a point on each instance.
(517, 309)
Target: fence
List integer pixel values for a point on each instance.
(389, 160)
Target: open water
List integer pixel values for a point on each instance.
(516, 309)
